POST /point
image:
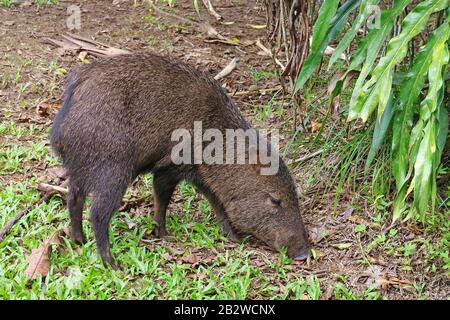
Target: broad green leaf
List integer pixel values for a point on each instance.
(441, 139)
(375, 91)
(443, 122)
(381, 127)
(322, 24)
(364, 12)
(409, 93)
(423, 168)
(335, 27)
(368, 50)
(425, 165)
(439, 59)
(196, 7)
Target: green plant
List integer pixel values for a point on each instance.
(43, 3)
(391, 85)
(6, 3)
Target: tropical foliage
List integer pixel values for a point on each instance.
(402, 89)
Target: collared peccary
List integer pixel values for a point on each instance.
(116, 122)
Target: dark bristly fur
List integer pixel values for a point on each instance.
(116, 122)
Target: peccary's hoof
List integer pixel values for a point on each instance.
(78, 238)
(110, 263)
(114, 266)
(161, 232)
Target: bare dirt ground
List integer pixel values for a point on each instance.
(342, 255)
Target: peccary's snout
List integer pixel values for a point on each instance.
(300, 252)
(303, 255)
(296, 243)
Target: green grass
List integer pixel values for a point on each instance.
(6, 3)
(12, 157)
(258, 74)
(341, 292)
(151, 269)
(44, 3)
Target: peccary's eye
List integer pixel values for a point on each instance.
(274, 201)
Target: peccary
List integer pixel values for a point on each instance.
(116, 122)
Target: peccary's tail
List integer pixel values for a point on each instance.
(56, 134)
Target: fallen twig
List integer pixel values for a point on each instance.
(211, 9)
(214, 35)
(269, 53)
(309, 156)
(245, 93)
(126, 206)
(73, 42)
(227, 70)
(210, 31)
(22, 213)
(170, 15)
(48, 188)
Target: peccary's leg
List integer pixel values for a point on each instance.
(224, 223)
(105, 202)
(228, 229)
(220, 213)
(164, 185)
(75, 202)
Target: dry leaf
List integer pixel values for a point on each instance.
(257, 26)
(316, 234)
(57, 172)
(42, 108)
(359, 220)
(167, 256)
(341, 246)
(191, 259)
(83, 57)
(348, 212)
(386, 282)
(131, 225)
(339, 76)
(315, 126)
(333, 82)
(39, 259)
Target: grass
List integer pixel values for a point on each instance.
(258, 74)
(151, 269)
(6, 3)
(39, 3)
(44, 3)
